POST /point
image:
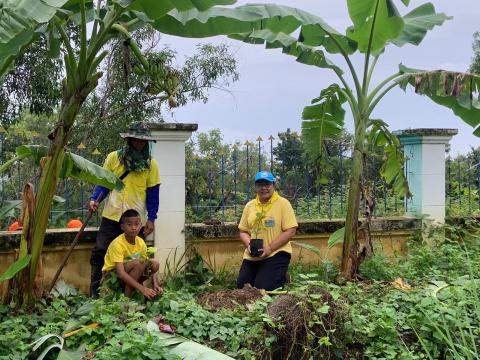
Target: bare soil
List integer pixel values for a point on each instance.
(230, 299)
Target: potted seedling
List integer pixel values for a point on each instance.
(256, 243)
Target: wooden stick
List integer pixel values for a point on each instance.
(72, 246)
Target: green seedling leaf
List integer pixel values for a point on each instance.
(336, 237)
(39, 342)
(17, 266)
(70, 355)
(9, 207)
(306, 246)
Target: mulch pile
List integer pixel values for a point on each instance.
(298, 332)
(230, 299)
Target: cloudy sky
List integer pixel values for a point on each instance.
(273, 88)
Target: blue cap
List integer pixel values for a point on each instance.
(264, 175)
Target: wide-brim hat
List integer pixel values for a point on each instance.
(138, 130)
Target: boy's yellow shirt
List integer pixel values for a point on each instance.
(278, 218)
(120, 251)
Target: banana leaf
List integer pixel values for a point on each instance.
(17, 266)
(336, 237)
(9, 207)
(74, 166)
(185, 348)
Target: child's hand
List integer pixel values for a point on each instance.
(158, 289)
(149, 293)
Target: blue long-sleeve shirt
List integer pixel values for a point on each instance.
(153, 199)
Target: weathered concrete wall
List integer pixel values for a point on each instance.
(219, 245)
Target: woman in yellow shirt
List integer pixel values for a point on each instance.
(269, 217)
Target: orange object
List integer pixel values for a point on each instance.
(74, 223)
(15, 226)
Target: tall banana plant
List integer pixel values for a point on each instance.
(375, 25)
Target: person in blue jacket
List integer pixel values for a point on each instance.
(133, 164)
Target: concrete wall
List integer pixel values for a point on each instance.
(219, 246)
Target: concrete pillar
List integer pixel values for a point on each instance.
(169, 151)
(425, 168)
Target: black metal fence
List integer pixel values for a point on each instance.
(220, 182)
(463, 184)
(219, 185)
(72, 196)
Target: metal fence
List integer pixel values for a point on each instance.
(218, 184)
(72, 196)
(463, 184)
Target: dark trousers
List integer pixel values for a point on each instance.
(268, 274)
(107, 232)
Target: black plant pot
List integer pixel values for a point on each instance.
(255, 246)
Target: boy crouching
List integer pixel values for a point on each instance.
(127, 257)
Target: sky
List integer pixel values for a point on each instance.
(273, 88)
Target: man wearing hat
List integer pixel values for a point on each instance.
(134, 165)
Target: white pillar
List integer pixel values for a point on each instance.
(425, 167)
(169, 151)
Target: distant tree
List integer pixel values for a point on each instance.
(34, 85)
(475, 66)
(125, 94)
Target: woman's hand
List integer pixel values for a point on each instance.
(245, 237)
(266, 251)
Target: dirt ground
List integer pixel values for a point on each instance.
(230, 299)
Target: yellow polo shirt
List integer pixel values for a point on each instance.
(134, 194)
(120, 251)
(278, 219)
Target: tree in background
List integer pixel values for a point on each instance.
(33, 85)
(475, 66)
(124, 94)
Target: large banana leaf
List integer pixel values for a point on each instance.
(74, 166)
(418, 22)
(185, 348)
(392, 170)
(455, 90)
(156, 9)
(305, 54)
(245, 19)
(381, 16)
(323, 120)
(22, 20)
(18, 21)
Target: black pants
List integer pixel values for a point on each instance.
(268, 274)
(107, 232)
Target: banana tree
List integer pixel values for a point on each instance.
(74, 167)
(375, 24)
(23, 22)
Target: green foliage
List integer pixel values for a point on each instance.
(233, 332)
(73, 166)
(436, 319)
(33, 84)
(17, 266)
(135, 343)
(475, 65)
